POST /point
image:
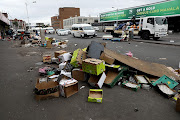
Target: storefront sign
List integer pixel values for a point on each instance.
(166, 8)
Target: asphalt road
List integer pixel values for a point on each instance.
(16, 86)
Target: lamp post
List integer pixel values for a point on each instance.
(27, 12)
(116, 16)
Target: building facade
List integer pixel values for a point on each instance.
(64, 13)
(4, 24)
(55, 22)
(79, 20)
(17, 24)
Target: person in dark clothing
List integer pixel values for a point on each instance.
(133, 20)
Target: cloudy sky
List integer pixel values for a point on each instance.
(42, 10)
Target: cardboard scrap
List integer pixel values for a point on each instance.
(153, 69)
(57, 53)
(77, 58)
(107, 59)
(79, 75)
(97, 81)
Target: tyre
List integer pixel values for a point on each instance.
(156, 38)
(145, 35)
(73, 35)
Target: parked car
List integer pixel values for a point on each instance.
(50, 30)
(62, 32)
(69, 31)
(96, 28)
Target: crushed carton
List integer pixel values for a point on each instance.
(95, 95)
(97, 81)
(58, 53)
(166, 90)
(168, 81)
(130, 85)
(93, 66)
(68, 86)
(64, 57)
(45, 90)
(107, 59)
(77, 58)
(141, 79)
(79, 75)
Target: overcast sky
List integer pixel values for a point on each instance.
(43, 10)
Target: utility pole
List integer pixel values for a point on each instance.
(27, 15)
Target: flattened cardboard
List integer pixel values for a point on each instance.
(93, 66)
(95, 95)
(153, 69)
(57, 53)
(97, 81)
(107, 59)
(79, 75)
(77, 58)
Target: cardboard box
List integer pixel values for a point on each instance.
(79, 75)
(107, 59)
(97, 81)
(68, 86)
(47, 58)
(64, 57)
(178, 105)
(93, 66)
(46, 90)
(95, 95)
(78, 57)
(49, 45)
(57, 53)
(113, 76)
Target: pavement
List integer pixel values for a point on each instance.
(16, 86)
(171, 39)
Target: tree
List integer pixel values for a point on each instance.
(15, 23)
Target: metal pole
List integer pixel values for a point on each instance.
(117, 18)
(27, 15)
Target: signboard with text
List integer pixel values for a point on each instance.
(159, 9)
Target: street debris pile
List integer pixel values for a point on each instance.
(99, 66)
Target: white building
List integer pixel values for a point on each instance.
(67, 23)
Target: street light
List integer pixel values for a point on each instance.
(27, 12)
(116, 16)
